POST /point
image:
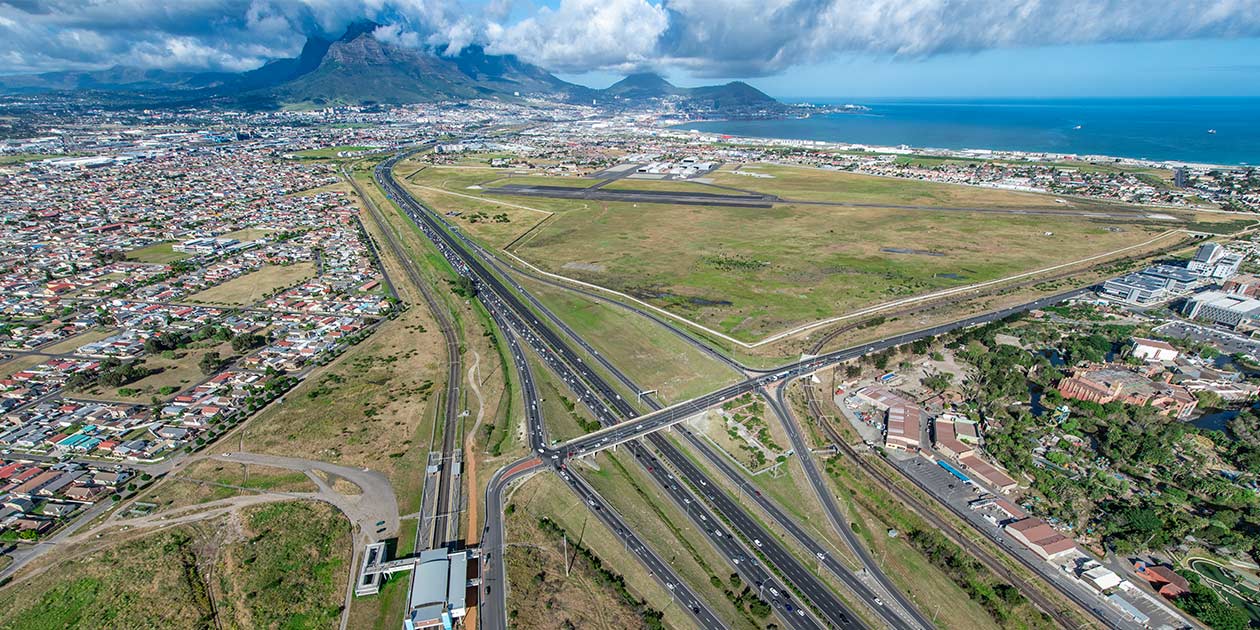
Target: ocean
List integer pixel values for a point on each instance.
(1152, 129)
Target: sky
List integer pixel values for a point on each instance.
(789, 48)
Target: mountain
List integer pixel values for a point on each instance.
(358, 69)
(648, 85)
(116, 78)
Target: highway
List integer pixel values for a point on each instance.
(606, 438)
(596, 394)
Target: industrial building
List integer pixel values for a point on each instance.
(1213, 261)
(905, 419)
(1151, 285)
(439, 589)
(1229, 309)
(1042, 539)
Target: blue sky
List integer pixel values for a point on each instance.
(789, 48)
(1163, 69)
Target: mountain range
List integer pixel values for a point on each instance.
(359, 69)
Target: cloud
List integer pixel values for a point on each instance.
(584, 34)
(704, 37)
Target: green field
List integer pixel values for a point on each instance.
(278, 565)
(750, 272)
(255, 285)
(157, 253)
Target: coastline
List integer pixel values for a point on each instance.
(1144, 133)
(970, 153)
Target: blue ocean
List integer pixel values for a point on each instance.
(1152, 129)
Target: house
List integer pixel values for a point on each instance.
(1163, 579)
(1153, 350)
(86, 494)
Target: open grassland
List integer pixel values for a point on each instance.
(542, 596)
(255, 285)
(72, 343)
(671, 185)
(372, 407)
(22, 158)
(247, 234)
(157, 253)
(750, 272)
(209, 480)
(652, 356)
(543, 180)
(170, 373)
(330, 153)
(271, 566)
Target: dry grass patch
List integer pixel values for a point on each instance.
(256, 285)
(271, 566)
(372, 407)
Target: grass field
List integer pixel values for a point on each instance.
(71, 344)
(246, 234)
(277, 565)
(582, 598)
(808, 184)
(543, 180)
(22, 158)
(209, 480)
(160, 253)
(750, 272)
(171, 374)
(372, 407)
(255, 285)
(652, 356)
(665, 184)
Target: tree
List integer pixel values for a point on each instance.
(938, 381)
(210, 362)
(248, 341)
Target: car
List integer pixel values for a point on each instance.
(800, 612)
(820, 555)
(757, 541)
(787, 607)
(879, 602)
(774, 591)
(670, 585)
(379, 523)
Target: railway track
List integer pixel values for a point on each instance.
(444, 515)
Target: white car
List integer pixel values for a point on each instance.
(757, 541)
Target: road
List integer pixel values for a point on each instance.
(512, 314)
(606, 438)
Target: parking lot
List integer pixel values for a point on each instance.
(953, 492)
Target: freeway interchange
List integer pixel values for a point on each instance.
(800, 598)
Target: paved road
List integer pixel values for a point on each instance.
(511, 314)
(606, 438)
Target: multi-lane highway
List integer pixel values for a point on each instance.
(657, 420)
(511, 313)
(513, 325)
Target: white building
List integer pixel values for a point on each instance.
(1214, 261)
(1153, 350)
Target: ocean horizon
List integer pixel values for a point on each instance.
(1211, 130)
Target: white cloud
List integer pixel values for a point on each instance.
(715, 37)
(583, 34)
